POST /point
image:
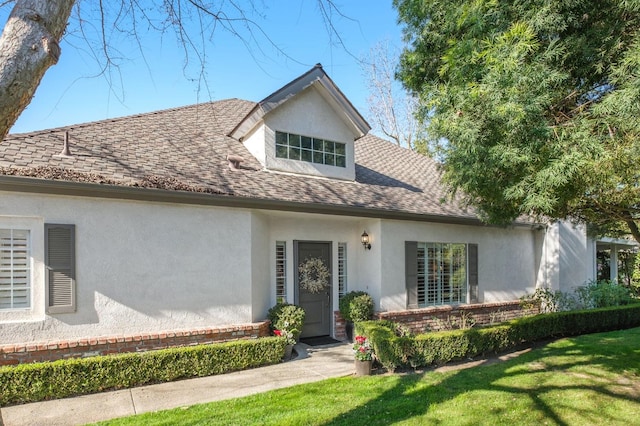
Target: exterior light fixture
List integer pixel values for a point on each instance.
(365, 241)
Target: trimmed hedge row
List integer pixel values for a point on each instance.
(393, 351)
(59, 379)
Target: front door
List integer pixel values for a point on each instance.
(315, 260)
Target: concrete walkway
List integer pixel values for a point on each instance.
(311, 365)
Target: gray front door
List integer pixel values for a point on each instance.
(317, 306)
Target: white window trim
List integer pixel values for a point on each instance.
(36, 311)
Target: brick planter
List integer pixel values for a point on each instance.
(437, 318)
(11, 354)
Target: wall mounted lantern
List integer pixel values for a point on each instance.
(365, 241)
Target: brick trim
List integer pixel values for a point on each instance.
(11, 354)
(437, 318)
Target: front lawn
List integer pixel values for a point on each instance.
(587, 380)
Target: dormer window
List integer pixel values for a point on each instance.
(311, 150)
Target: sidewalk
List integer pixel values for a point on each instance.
(311, 365)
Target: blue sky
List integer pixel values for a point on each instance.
(71, 93)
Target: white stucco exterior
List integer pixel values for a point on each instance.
(140, 267)
(148, 266)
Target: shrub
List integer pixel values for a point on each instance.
(595, 294)
(356, 306)
(63, 378)
(600, 294)
(394, 351)
(287, 317)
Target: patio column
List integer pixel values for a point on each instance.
(613, 264)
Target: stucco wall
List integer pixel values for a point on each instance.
(261, 290)
(139, 267)
(570, 256)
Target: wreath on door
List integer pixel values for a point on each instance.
(314, 275)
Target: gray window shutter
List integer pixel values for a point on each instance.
(59, 248)
(472, 254)
(411, 273)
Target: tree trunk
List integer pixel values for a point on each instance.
(633, 227)
(28, 47)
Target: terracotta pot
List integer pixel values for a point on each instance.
(363, 368)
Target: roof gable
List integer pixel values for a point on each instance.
(328, 90)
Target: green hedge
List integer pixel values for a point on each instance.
(59, 379)
(393, 351)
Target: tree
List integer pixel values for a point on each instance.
(30, 41)
(391, 107)
(538, 101)
(29, 45)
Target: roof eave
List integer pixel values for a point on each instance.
(83, 189)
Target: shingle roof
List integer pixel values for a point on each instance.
(186, 149)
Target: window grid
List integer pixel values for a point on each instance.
(442, 273)
(311, 150)
(15, 273)
(342, 269)
(281, 271)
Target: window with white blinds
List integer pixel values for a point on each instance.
(281, 271)
(15, 269)
(442, 273)
(342, 269)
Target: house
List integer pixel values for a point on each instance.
(188, 224)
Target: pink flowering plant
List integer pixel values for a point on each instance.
(362, 349)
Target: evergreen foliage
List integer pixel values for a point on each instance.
(393, 350)
(69, 377)
(537, 100)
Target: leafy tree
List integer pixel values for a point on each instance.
(538, 101)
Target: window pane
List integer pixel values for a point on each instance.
(306, 142)
(294, 153)
(318, 144)
(281, 138)
(340, 148)
(294, 140)
(341, 161)
(281, 271)
(281, 151)
(318, 157)
(15, 274)
(342, 269)
(442, 274)
(306, 155)
(330, 159)
(329, 147)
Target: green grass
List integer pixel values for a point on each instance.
(587, 380)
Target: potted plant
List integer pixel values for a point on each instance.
(363, 353)
(287, 321)
(355, 306)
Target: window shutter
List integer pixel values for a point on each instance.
(472, 253)
(411, 273)
(60, 263)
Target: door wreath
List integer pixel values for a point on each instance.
(314, 275)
